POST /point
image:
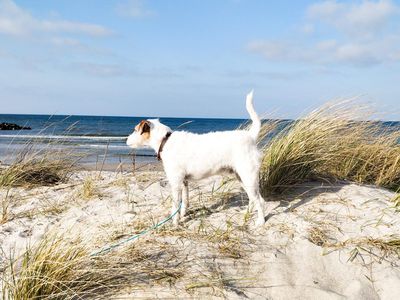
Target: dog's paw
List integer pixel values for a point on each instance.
(260, 222)
(175, 221)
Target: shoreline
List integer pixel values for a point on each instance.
(322, 239)
(122, 167)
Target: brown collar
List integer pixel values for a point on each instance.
(164, 140)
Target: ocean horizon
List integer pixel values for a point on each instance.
(96, 137)
(100, 138)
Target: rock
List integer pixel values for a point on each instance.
(12, 126)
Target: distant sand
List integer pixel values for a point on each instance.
(319, 243)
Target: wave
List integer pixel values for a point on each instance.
(103, 146)
(63, 137)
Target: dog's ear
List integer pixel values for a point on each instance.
(144, 127)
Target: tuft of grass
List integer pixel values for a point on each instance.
(318, 237)
(58, 268)
(218, 283)
(333, 141)
(33, 167)
(388, 247)
(382, 248)
(89, 189)
(46, 271)
(367, 156)
(5, 203)
(230, 241)
(121, 181)
(138, 225)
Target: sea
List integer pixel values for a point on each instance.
(97, 139)
(102, 139)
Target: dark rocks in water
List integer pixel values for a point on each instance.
(12, 126)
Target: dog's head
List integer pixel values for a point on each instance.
(148, 133)
(141, 135)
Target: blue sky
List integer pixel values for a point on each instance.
(196, 58)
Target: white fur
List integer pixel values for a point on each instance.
(190, 156)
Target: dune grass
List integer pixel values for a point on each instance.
(332, 142)
(33, 167)
(89, 189)
(58, 268)
(5, 204)
(45, 271)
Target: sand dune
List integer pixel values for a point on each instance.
(321, 242)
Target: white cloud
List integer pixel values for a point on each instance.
(274, 50)
(102, 70)
(356, 54)
(134, 9)
(325, 9)
(74, 27)
(356, 34)
(16, 21)
(325, 52)
(307, 28)
(60, 41)
(286, 51)
(326, 45)
(356, 19)
(121, 69)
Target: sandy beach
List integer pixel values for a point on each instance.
(111, 111)
(320, 242)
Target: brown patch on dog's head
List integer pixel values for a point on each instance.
(143, 128)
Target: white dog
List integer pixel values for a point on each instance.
(189, 156)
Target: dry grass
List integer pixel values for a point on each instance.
(60, 269)
(89, 189)
(219, 283)
(367, 156)
(229, 240)
(127, 229)
(387, 246)
(37, 167)
(318, 236)
(382, 248)
(5, 204)
(396, 200)
(121, 181)
(331, 142)
(48, 270)
(226, 239)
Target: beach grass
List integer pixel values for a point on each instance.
(334, 142)
(32, 167)
(45, 271)
(89, 188)
(60, 268)
(5, 204)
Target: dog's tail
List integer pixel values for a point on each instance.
(256, 125)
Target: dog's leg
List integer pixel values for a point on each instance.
(255, 200)
(250, 185)
(251, 199)
(251, 202)
(185, 198)
(176, 189)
